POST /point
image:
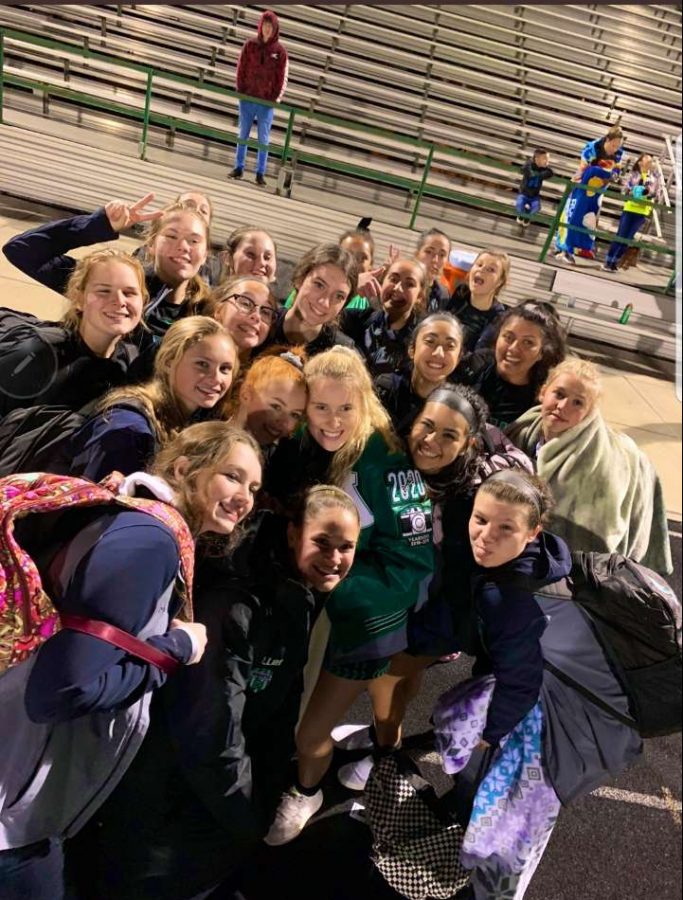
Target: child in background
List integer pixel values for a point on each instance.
(534, 172)
(643, 187)
(433, 249)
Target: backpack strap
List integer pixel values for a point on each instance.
(60, 571)
(123, 640)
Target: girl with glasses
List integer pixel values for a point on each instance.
(246, 308)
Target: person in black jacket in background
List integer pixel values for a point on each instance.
(534, 172)
(208, 777)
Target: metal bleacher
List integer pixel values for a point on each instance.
(486, 84)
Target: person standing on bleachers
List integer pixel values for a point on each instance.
(261, 72)
(534, 171)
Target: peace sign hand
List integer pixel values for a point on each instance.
(121, 215)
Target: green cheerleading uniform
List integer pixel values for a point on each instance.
(394, 563)
(356, 302)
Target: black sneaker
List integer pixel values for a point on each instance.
(236, 173)
(260, 180)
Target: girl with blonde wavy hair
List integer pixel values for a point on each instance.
(73, 362)
(348, 441)
(193, 372)
(177, 245)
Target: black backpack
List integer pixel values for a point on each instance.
(16, 325)
(35, 438)
(637, 619)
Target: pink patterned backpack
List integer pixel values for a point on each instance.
(27, 615)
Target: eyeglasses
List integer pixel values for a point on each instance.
(247, 306)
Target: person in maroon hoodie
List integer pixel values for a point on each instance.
(261, 72)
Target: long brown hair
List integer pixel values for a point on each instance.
(205, 445)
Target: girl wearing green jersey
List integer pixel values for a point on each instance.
(349, 441)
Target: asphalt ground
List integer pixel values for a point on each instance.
(623, 842)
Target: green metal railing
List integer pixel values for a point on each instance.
(417, 187)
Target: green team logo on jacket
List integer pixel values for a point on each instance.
(413, 511)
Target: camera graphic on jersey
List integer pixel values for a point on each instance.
(416, 524)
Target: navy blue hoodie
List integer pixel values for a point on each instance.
(510, 624)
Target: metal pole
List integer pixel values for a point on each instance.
(288, 136)
(423, 182)
(145, 120)
(553, 225)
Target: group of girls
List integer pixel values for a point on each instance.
(335, 458)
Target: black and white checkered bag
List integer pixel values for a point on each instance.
(416, 848)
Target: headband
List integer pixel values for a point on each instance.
(292, 358)
(457, 403)
(517, 481)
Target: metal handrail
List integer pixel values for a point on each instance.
(419, 188)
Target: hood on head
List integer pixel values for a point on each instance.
(269, 16)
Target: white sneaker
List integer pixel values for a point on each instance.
(292, 815)
(519, 220)
(354, 776)
(352, 737)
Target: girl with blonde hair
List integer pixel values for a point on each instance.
(348, 440)
(74, 362)
(475, 301)
(82, 705)
(608, 494)
(193, 372)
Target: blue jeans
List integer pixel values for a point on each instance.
(629, 224)
(264, 120)
(34, 872)
(526, 204)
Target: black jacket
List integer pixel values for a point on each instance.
(506, 401)
(43, 254)
(258, 617)
(203, 788)
(384, 350)
(533, 178)
(330, 336)
(479, 325)
(50, 365)
(400, 400)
